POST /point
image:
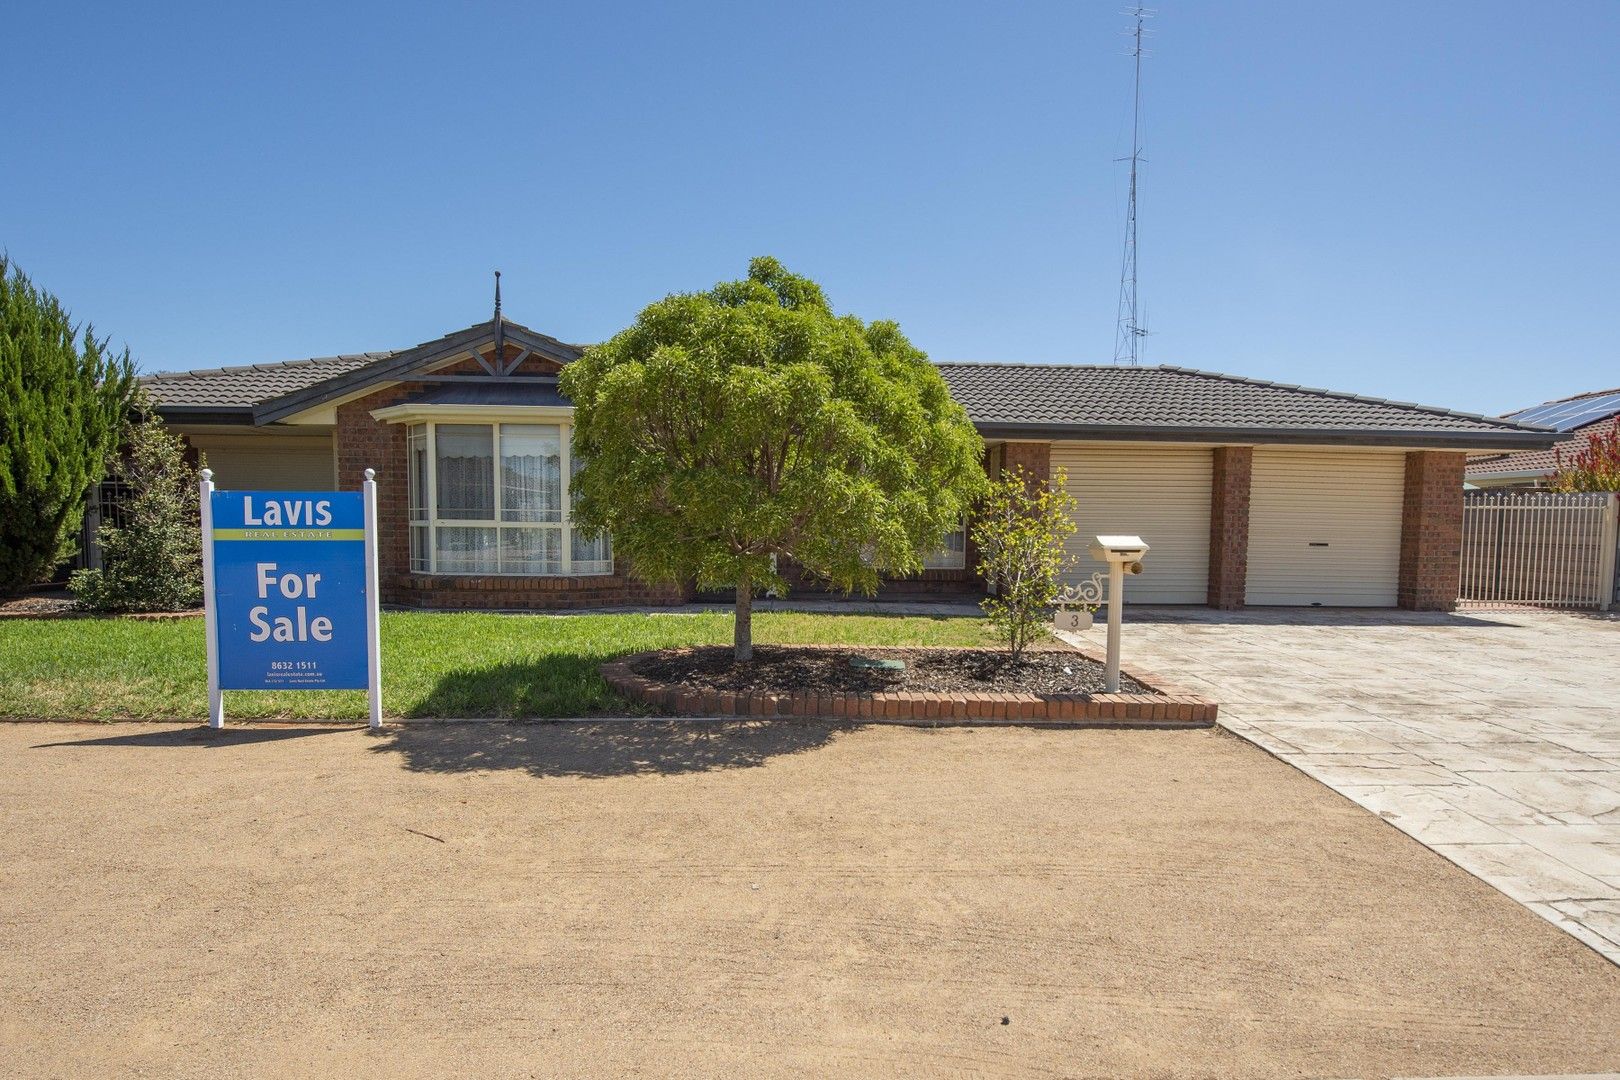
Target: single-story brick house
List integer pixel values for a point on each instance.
(1577, 418)
(1249, 492)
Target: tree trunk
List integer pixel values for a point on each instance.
(742, 638)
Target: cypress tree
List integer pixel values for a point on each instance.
(63, 401)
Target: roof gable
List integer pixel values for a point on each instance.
(421, 358)
(266, 393)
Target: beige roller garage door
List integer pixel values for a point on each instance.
(269, 463)
(1325, 527)
(1161, 495)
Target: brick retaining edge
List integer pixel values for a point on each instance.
(1170, 707)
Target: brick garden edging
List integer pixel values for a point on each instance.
(1171, 707)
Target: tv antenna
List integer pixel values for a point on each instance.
(1132, 329)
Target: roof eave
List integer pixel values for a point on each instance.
(185, 415)
(1448, 440)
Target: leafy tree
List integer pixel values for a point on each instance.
(1593, 467)
(63, 399)
(151, 561)
(1020, 528)
(729, 427)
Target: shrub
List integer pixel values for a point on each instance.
(63, 401)
(152, 561)
(1593, 467)
(1020, 529)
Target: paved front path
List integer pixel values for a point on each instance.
(1491, 737)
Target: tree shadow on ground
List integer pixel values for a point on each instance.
(556, 685)
(201, 736)
(599, 749)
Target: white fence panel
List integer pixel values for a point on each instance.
(1538, 549)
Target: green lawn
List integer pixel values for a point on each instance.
(434, 664)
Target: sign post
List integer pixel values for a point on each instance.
(216, 700)
(373, 612)
(290, 586)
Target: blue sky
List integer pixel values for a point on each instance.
(1411, 200)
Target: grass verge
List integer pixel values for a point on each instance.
(461, 664)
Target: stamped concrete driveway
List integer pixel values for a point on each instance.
(1491, 737)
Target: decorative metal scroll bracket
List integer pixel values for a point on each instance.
(1088, 595)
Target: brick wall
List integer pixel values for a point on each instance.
(1035, 458)
(363, 443)
(1431, 530)
(1229, 526)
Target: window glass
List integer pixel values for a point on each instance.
(591, 554)
(531, 472)
(531, 551)
(466, 472)
(951, 553)
(420, 559)
(417, 466)
(466, 551)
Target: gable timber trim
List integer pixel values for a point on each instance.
(401, 366)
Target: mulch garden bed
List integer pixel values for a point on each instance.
(61, 605)
(937, 686)
(37, 606)
(789, 670)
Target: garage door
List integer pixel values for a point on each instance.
(269, 463)
(1161, 495)
(1325, 527)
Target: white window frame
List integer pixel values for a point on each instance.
(564, 527)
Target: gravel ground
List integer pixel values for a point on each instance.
(791, 669)
(745, 900)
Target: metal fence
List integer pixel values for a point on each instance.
(108, 502)
(1538, 549)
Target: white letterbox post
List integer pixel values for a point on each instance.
(1122, 554)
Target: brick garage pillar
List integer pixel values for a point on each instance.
(1229, 526)
(1431, 530)
(1035, 458)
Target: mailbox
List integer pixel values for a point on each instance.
(1127, 550)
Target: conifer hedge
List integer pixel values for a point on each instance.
(63, 401)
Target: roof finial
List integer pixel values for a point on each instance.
(497, 296)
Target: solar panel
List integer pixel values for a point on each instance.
(1569, 415)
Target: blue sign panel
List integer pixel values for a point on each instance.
(290, 589)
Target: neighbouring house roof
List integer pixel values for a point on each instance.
(1578, 416)
(1099, 401)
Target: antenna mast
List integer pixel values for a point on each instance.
(1128, 337)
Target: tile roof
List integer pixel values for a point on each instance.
(1096, 400)
(1101, 398)
(1530, 463)
(242, 387)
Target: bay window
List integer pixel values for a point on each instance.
(493, 499)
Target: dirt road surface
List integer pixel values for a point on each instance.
(544, 900)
